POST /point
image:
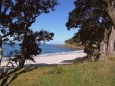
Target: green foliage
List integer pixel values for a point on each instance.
(32, 41)
(16, 17)
(70, 41)
(91, 16)
(73, 42)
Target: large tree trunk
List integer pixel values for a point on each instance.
(111, 12)
(111, 39)
(1, 52)
(103, 49)
(111, 44)
(104, 44)
(107, 48)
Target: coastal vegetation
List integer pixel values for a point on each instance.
(21, 17)
(95, 20)
(101, 73)
(16, 18)
(73, 43)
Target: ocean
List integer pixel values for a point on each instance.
(47, 49)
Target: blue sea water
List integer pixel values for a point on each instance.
(47, 49)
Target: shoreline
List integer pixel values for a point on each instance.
(51, 54)
(58, 58)
(48, 54)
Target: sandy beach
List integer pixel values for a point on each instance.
(53, 59)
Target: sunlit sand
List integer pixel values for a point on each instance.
(53, 59)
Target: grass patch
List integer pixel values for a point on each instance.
(86, 74)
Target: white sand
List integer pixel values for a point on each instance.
(53, 59)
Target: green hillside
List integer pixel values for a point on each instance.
(73, 43)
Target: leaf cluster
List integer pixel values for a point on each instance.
(16, 17)
(91, 16)
(31, 42)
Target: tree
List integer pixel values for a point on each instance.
(30, 10)
(30, 44)
(16, 16)
(95, 18)
(21, 15)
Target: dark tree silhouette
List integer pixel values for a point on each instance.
(95, 18)
(30, 45)
(16, 16)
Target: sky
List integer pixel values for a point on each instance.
(55, 22)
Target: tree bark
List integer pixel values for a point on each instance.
(1, 52)
(111, 12)
(21, 62)
(22, 59)
(105, 44)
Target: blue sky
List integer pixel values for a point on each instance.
(55, 22)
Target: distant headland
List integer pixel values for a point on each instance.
(71, 43)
